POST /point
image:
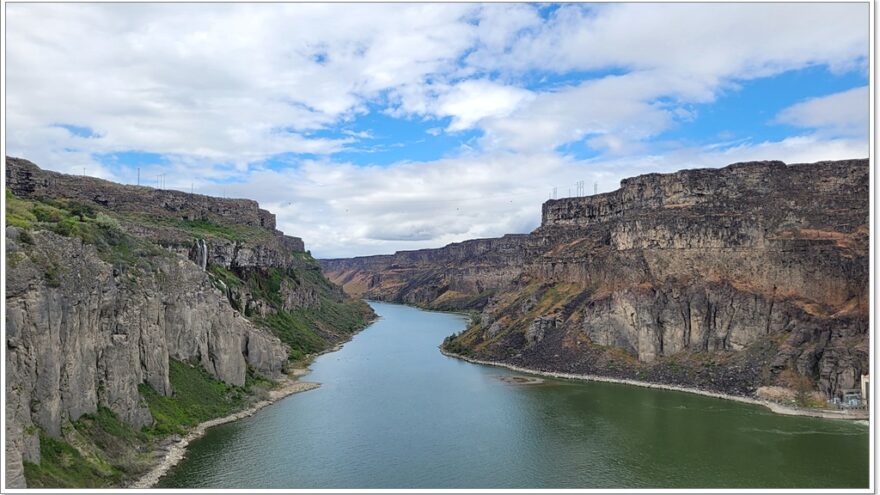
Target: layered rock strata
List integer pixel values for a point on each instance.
(86, 326)
(716, 278)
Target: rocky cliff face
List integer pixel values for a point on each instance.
(27, 180)
(458, 276)
(107, 283)
(716, 278)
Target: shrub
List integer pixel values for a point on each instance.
(106, 221)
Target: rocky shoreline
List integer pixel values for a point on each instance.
(772, 406)
(176, 452)
(724, 279)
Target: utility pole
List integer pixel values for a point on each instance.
(139, 176)
(595, 188)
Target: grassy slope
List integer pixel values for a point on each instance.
(100, 451)
(305, 330)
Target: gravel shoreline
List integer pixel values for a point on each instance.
(177, 451)
(772, 406)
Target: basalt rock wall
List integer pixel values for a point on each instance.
(716, 278)
(86, 328)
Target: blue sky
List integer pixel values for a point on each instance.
(371, 128)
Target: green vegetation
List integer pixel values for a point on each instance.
(297, 331)
(306, 330)
(204, 229)
(454, 345)
(229, 278)
(97, 450)
(197, 397)
(73, 219)
(266, 285)
(301, 329)
(62, 465)
(18, 212)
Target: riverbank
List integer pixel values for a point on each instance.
(772, 406)
(176, 451)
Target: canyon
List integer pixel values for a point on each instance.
(731, 279)
(113, 290)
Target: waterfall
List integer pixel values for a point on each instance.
(203, 254)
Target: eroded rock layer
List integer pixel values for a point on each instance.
(725, 279)
(106, 284)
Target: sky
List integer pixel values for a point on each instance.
(371, 128)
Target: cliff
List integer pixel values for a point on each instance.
(111, 288)
(725, 279)
(458, 276)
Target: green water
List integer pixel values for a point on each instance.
(394, 413)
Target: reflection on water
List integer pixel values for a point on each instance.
(393, 412)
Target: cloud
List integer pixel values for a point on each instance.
(613, 109)
(341, 209)
(844, 113)
(218, 81)
(258, 100)
(710, 41)
(472, 101)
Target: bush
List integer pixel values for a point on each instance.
(107, 222)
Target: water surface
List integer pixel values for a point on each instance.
(392, 412)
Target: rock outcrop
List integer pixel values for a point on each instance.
(715, 278)
(458, 276)
(96, 307)
(27, 180)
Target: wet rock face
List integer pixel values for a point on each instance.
(753, 268)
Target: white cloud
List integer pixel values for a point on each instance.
(710, 41)
(345, 210)
(614, 109)
(844, 113)
(474, 100)
(218, 81)
(217, 88)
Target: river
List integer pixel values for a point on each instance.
(392, 412)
